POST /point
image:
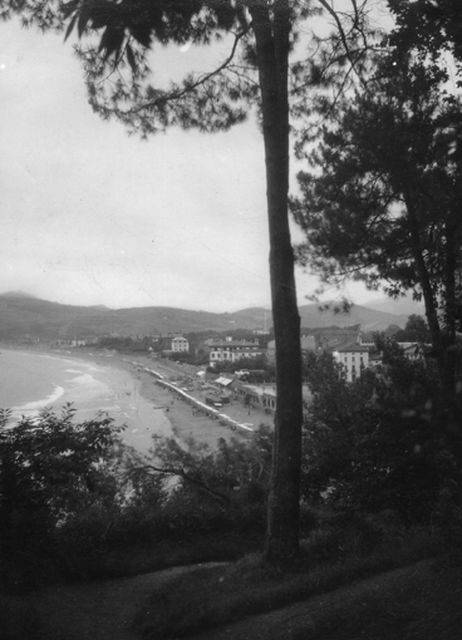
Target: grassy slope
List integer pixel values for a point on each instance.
(347, 592)
(209, 598)
(417, 602)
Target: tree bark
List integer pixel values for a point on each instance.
(450, 268)
(424, 278)
(272, 48)
(443, 342)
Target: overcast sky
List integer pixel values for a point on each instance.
(92, 216)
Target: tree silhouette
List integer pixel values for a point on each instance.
(385, 209)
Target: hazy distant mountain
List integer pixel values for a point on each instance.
(369, 319)
(402, 306)
(18, 294)
(23, 315)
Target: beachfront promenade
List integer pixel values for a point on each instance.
(194, 402)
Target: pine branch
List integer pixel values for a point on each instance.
(344, 38)
(190, 88)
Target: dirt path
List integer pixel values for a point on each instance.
(99, 610)
(105, 610)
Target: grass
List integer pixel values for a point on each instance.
(216, 596)
(423, 606)
(381, 616)
(19, 620)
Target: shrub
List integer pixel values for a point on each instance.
(52, 471)
(378, 443)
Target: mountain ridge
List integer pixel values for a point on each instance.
(22, 316)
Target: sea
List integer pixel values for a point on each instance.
(31, 381)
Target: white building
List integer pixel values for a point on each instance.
(353, 358)
(229, 350)
(265, 396)
(179, 345)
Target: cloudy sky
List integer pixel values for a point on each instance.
(92, 216)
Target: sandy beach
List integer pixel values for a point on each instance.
(185, 422)
(148, 409)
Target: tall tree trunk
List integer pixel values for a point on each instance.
(272, 47)
(450, 320)
(443, 341)
(425, 282)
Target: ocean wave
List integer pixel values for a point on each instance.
(85, 378)
(31, 408)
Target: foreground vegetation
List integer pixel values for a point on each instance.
(380, 489)
(337, 553)
(76, 504)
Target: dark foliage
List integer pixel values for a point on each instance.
(385, 207)
(430, 26)
(375, 444)
(52, 471)
(416, 330)
(73, 499)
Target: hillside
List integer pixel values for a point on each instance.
(369, 319)
(24, 316)
(401, 306)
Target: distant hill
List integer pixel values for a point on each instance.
(18, 294)
(22, 315)
(369, 319)
(405, 306)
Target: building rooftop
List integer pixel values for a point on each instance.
(232, 343)
(354, 347)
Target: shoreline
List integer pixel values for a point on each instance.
(147, 408)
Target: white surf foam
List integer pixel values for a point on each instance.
(33, 408)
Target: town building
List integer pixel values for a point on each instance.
(232, 350)
(179, 344)
(333, 338)
(414, 350)
(307, 343)
(264, 396)
(77, 342)
(353, 358)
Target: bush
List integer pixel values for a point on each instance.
(378, 443)
(52, 472)
(72, 498)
